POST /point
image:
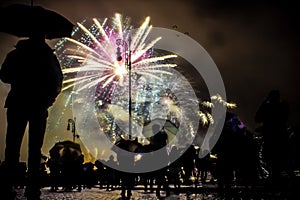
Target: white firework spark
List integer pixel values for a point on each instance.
(94, 54)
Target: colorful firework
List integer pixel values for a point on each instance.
(95, 54)
(96, 66)
(96, 59)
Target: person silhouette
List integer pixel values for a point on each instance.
(126, 160)
(273, 115)
(159, 138)
(158, 141)
(111, 173)
(35, 77)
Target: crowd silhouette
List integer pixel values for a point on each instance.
(240, 159)
(242, 164)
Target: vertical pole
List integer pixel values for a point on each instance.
(128, 67)
(73, 121)
(129, 85)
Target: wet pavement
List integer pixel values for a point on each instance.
(102, 194)
(188, 192)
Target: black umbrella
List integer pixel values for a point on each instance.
(125, 144)
(24, 20)
(58, 150)
(169, 127)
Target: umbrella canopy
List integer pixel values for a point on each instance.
(128, 145)
(58, 150)
(25, 20)
(168, 126)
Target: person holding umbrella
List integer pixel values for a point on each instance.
(35, 76)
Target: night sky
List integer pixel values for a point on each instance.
(255, 45)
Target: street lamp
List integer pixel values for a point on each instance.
(71, 122)
(128, 67)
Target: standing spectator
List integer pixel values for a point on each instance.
(55, 173)
(35, 76)
(112, 178)
(273, 115)
(158, 141)
(126, 161)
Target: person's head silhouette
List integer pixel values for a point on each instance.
(274, 96)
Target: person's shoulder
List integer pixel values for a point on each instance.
(23, 44)
(284, 104)
(22, 48)
(12, 53)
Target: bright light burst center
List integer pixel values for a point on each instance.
(120, 70)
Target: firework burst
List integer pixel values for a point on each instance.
(95, 64)
(93, 54)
